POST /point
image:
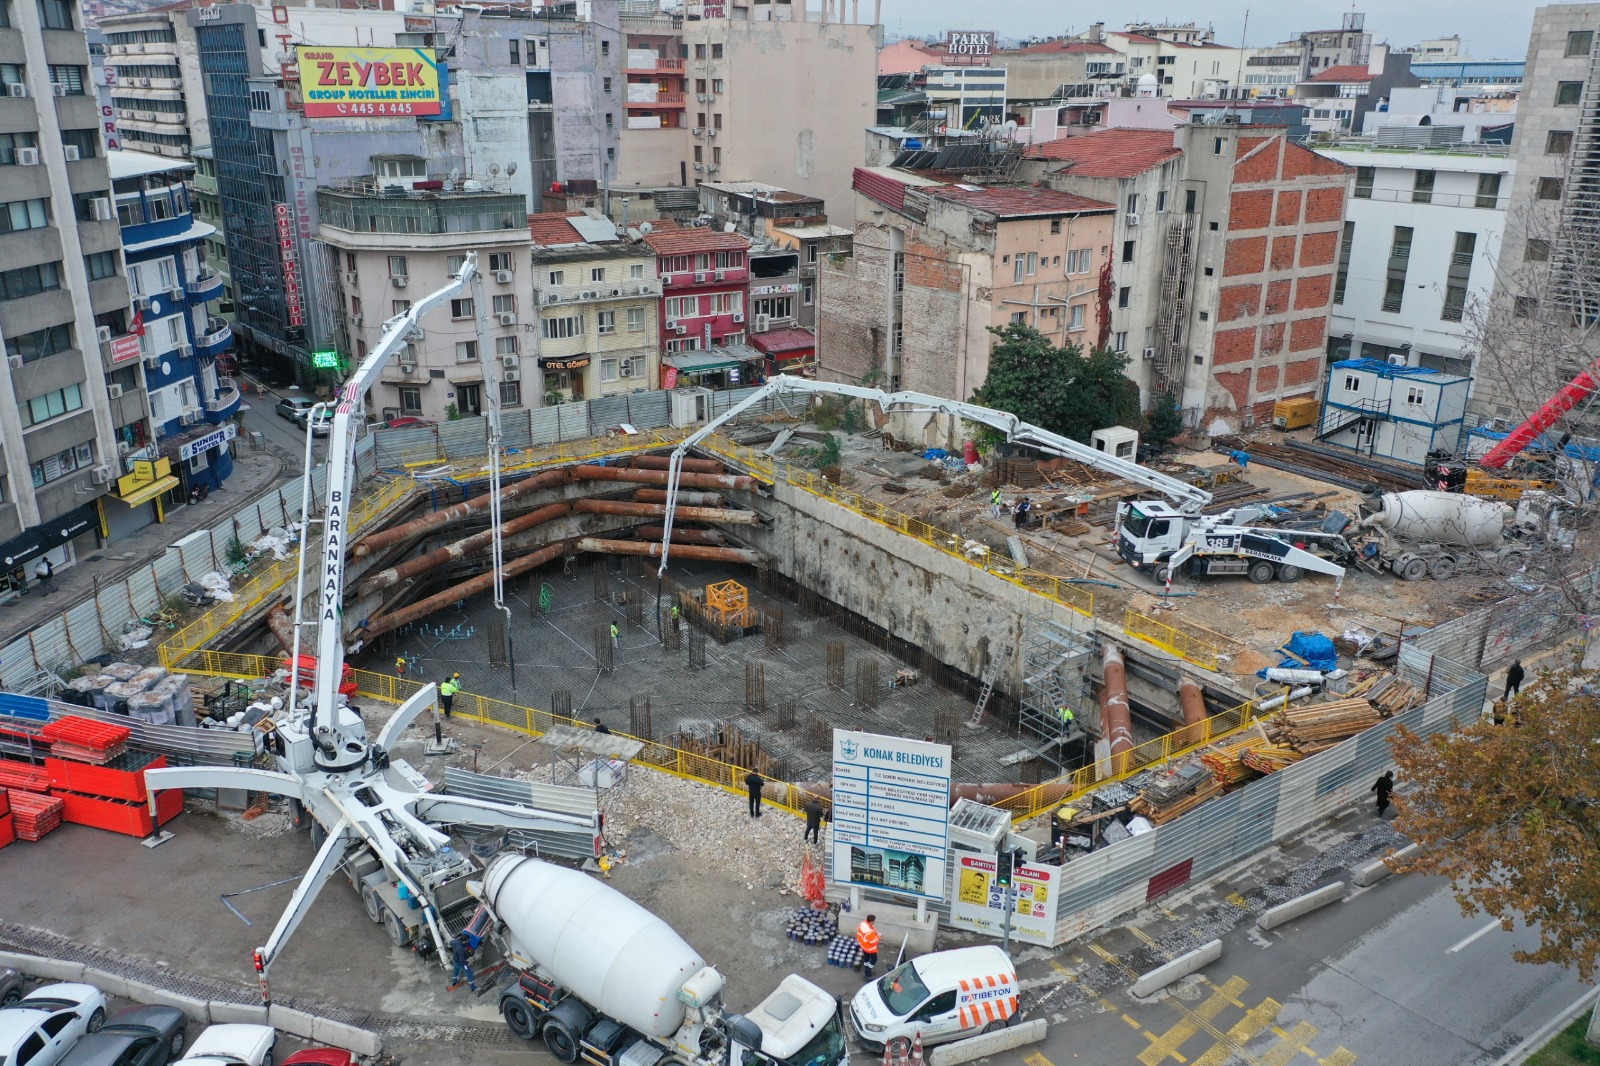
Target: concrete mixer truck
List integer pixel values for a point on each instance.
(602, 979)
(1436, 534)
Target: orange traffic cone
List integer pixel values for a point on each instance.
(916, 1049)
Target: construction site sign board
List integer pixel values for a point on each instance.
(891, 804)
(979, 903)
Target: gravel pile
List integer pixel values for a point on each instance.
(710, 826)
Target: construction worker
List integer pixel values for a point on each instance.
(400, 666)
(753, 783)
(447, 693)
(1067, 718)
(996, 504)
(867, 939)
(461, 960)
(677, 615)
(615, 632)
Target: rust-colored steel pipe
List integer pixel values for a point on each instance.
(456, 550)
(664, 462)
(1193, 703)
(1116, 724)
(659, 510)
(590, 472)
(682, 536)
(281, 624)
(447, 515)
(687, 499)
(679, 551)
(471, 587)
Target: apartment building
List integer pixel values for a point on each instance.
(207, 205)
(789, 233)
(1340, 98)
(597, 301)
(935, 264)
(1276, 69)
(64, 312)
(1420, 242)
(704, 274)
(157, 102)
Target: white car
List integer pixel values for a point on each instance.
(233, 1045)
(41, 1027)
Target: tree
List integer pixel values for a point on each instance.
(1162, 423)
(1103, 298)
(1511, 814)
(1063, 390)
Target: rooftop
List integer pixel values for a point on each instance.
(1066, 45)
(551, 229)
(1025, 202)
(806, 233)
(784, 340)
(669, 238)
(1114, 153)
(1343, 74)
(127, 164)
(760, 190)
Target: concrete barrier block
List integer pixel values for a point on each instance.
(16, 960)
(361, 1042)
(195, 1009)
(110, 983)
(236, 1013)
(291, 1021)
(54, 969)
(1182, 966)
(1371, 873)
(976, 1047)
(1273, 917)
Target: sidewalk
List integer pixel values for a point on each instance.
(254, 473)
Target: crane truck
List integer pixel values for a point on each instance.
(1162, 536)
(602, 979)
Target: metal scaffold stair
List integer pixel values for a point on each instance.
(1056, 664)
(996, 667)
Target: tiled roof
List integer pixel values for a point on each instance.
(551, 229)
(1113, 153)
(671, 239)
(1020, 202)
(1343, 74)
(784, 340)
(1070, 47)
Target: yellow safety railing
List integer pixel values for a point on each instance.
(1193, 643)
(538, 455)
(1180, 742)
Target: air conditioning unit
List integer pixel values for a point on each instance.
(101, 475)
(17, 89)
(102, 334)
(1149, 353)
(141, 301)
(763, 323)
(175, 293)
(625, 368)
(185, 351)
(1396, 359)
(503, 277)
(27, 157)
(70, 152)
(351, 277)
(553, 298)
(100, 207)
(699, 166)
(720, 275)
(671, 324)
(591, 295)
(1133, 218)
(14, 362)
(58, 88)
(711, 134)
(152, 361)
(700, 277)
(698, 131)
(738, 316)
(712, 169)
(114, 391)
(123, 447)
(398, 280)
(355, 320)
(508, 319)
(682, 330)
(189, 418)
(616, 292)
(512, 375)
(408, 368)
(510, 360)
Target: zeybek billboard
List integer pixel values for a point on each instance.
(368, 82)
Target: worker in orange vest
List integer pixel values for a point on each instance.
(867, 938)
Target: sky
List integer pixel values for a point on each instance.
(1489, 29)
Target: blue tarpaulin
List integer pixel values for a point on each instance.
(1317, 651)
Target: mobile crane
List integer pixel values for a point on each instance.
(378, 824)
(1151, 534)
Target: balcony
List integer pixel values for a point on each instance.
(673, 100)
(553, 295)
(696, 278)
(662, 66)
(216, 339)
(226, 403)
(206, 287)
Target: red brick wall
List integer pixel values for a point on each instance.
(1317, 249)
(1245, 255)
(926, 268)
(1313, 291)
(1288, 213)
(1277, 297)
(1325, 205)
(1234, 345)
(1250, 209)
(1282, 252)
(1238, 301)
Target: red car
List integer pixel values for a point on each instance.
(320, 1056)
(406, 421)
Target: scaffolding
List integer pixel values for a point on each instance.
(1173, 308)
(1056, 673)
(1576, 262)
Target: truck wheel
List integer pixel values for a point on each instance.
(559, 1039)
(1289, 573)
(1164, 574)
(374, 905)
(1412, 567)
(994, 1026)
(1444, 568)
(399, 935)
(898, 1049)
(1260, 572)
(519, 1019)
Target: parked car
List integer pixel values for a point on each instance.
(138, 1036)
(41, 1027)
(406, 422)
(233, 1045)
(320, 1056)
(321, 423)
(10, 986)
(294, 408)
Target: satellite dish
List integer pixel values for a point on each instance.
(455, 173)
(494, 169)
(511, 168)
(727, 227)
(646, 228)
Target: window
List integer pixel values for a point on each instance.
(700, 88)
(1343, 274)
(1548, 189)
(558, 277)
(10, 142)
(605, 322)
(71, 78)
(505, 346)
(561, 328)
(395, 166)
(23, 214)
(1524, 306)
(610, 119)
(511, 394)
(1161, 201)
(397, 266)
(53, 468)
(1401, 247)
(700, 51)
(1216, 147)
(1414, 396)
(635, 320)
(683, 306)
(466, 351)
(100, 265)
(608, 370)
(1033, 262)
(1016, 270)
(1019, 318)
(1580, 42)
(1119, 341)
(51, 405)
(410, 400)
(1055, 227)
(1075, 317)
(1133, 203)
(56, 14)
(1536, 251)
(1394, 294)
(41, 343)
(499, 260)
(1364, 179)
(597, 274)
(807, 294)
(1558, 142)
(26, 281)
(1078, 260)
(1422, 187)
(1455, 303)
(686, 344)
(399, 307)
(774, 307)
(716, 85)
(1190, 201)
(461, 308)
(1124, 295)
(1488, 190)
(716, 120)
(1352, 383)
(699, 154)
(716, 153)
(1568, 93)
(1127, 251)
(716, 53)
(504, 305)
(454, 263)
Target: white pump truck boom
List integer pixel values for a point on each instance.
(388, 835)
(1151, 534)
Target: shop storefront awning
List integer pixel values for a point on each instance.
(710, 360)
(149, 492)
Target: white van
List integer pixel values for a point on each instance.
(946, 995)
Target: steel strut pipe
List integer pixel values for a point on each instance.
(282, 627)
(465, 546)
(682, 551)
(692, 466)
(1571, 394)
(683, 536)
(471, 587)
(1192, 701)
(691, 499)
(659, 510)
(444, 517)
(590, 472)
(1116, 724)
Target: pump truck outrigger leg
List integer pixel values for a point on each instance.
(329, 766)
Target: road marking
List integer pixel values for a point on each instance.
(1037, 1058)
(1485, 931)
(1237, 900)
(1168, 1043)
(1142, 935)
(1341, 1056)
(1255, 1020)
(1287, 1048)
(1131, 1021)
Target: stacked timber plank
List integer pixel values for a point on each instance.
(1319, 726)
(1175, 792)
